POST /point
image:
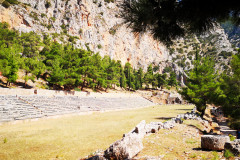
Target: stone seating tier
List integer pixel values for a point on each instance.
(35, 106)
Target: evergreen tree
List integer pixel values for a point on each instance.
(168, 20)
(32, 60)
(202, 85)
(172, 81)
(230, 85)
(149, 77)
(128, 71)
(123, 80)
(161, 80)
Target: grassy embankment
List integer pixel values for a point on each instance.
(76, 136)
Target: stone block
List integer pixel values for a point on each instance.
(214, 142)
(126, 148)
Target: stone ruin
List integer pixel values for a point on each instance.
(131, 143)
(14, 107)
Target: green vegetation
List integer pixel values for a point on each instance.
(66, 67)
(108, 1)
(205, 86)
(228, 154)
(201, 85)
(48, 4)
(34, 15)
(170, 20)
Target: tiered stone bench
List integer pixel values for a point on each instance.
(37, 106)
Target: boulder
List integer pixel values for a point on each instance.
(177, 120)
(214, 142)
(140, 129)
(153, 127)
(233, 146)
(97, 157)
(126, 148)
(168, 125)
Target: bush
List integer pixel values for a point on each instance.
(99, 46)
(108, 1)
(53, 19)
(43, 15)
(232, 138)
(235, 124)
(12, 1)
(48, 4)
(34, 15)
(6, 4)
(215, 156)
(228, 154)
(5, 140)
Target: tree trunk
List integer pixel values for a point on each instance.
(203, 112)
(25, 84)
(83, 85)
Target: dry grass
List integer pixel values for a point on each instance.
(181, 142)
(76, 136)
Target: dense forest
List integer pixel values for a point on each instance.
(66, 67)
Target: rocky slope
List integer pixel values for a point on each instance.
(96, 24)
(233, 33)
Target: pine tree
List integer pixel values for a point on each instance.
(172, 81)
(202, 85)
(161, 80)
(230, 85)
(149, 77)
(32, 60)
(128, 71)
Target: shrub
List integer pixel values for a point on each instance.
(5, 140)
(228, 154)
(43, 15)
(80, 31)
(112, 31)
(6, 4)
(95, 1)
(232, 138)
(77, 89)
(53, 19)
(99, 46)
(215, 156)
(48, 4)
(34, 15)
(12, 1)
(108, 1)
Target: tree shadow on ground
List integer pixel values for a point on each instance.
(184, 109)
(2, 84)
(21, 84)
(164, 118)
(201, 132)
(201, 149)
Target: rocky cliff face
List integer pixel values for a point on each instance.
(96, 24)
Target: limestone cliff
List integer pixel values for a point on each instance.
(95, 23)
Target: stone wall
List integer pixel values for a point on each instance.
(7, 91)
